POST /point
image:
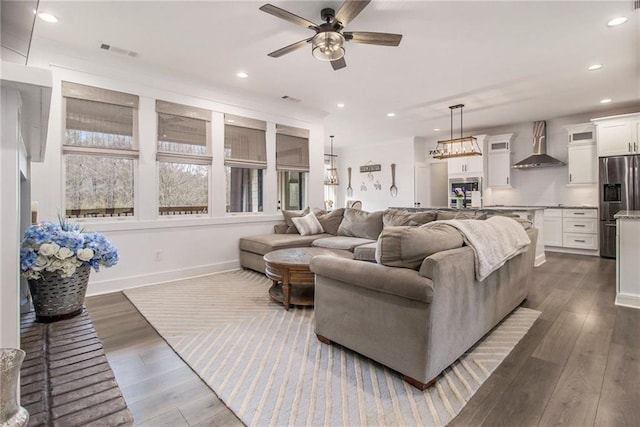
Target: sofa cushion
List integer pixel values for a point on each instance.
(363, 224)
(409, 246)
(395, 218)
(264, 243)
(331, 220)
(445, 215)
(365, 252)
(340, 242)
(291, 214)
(307, 225)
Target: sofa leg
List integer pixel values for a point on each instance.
(323, 340)
(417, 384)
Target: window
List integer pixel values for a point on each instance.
(99, 150)
(292, 164)
(245, 158)
(184, 159)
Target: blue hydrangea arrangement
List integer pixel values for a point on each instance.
(62, 248)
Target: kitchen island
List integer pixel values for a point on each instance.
(535, 214)
(628, 258)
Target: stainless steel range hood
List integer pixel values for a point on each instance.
(540, 158)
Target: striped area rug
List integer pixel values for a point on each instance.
(268, 367)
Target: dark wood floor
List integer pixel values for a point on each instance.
(579, 365)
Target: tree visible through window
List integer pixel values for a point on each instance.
(183, 158)
(99, 151)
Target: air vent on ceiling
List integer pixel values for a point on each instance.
(119, 50)
(636, 4)
(291, 98)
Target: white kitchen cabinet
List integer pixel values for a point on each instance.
(499, 169)
(627, 265)
(581, 133)
(553, 227)
(471, 166)
(499, 160)
(571, 229)
(582, 164)
(618, 135)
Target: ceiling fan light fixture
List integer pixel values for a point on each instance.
(328, 46)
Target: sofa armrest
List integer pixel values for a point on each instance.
(458, 263)
(402, 282)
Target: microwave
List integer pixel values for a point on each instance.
(467, 186)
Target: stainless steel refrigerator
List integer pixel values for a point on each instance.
(619, 190)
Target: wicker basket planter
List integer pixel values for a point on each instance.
(56, 298)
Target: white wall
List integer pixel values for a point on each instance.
(400, 152)
(187, 246)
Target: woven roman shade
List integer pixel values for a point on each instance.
(245, 144)
(292, 149)
(99, 121)
(183, 133)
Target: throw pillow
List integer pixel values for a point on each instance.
(331, 221)
(408, 246)
(307, 225)
(363, 224)
(394, 218)
(292, 214)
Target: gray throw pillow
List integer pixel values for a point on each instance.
(292, 214)
(331, 221)
(307, 225)
(358, 223)
(395, 218)
(408, 246)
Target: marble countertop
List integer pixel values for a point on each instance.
(627, 215)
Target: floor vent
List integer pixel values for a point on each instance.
(118, 50)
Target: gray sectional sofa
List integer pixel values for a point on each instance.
(348, 229)
(418, 305)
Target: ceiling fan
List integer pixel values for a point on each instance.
(328, 42)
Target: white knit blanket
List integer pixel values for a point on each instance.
(494, 241)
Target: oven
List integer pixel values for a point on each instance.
(466, 186)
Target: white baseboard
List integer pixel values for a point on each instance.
(114, 285)
(624, 300)
(540, 259)
(572, 251)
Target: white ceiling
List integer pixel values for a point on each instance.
(509, 62)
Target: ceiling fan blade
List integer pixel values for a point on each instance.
(380, 39)
(287, 16)
(288, 49)
(349, 10)
(338, 64)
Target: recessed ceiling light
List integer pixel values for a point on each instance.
(617, 21)
(340, 105)
(391, 114)
(47, 17)
(242, 75)
(605, 101)
(594, 67)
(436, 129)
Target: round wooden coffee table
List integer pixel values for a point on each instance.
(293, 282)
